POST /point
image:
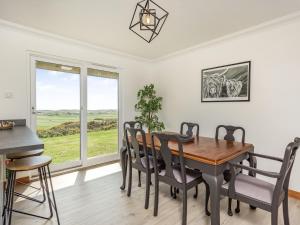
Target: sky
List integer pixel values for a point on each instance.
(60, 90)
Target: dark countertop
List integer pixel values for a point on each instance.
(20, 138)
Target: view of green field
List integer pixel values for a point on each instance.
(60, 132)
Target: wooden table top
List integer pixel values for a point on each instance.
(206, 150)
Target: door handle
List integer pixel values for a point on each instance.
(33, 110)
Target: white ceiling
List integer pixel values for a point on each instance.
(105, 22)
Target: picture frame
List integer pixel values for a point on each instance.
(228, 83)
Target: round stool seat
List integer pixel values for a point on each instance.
(29, 163)
(21, 155)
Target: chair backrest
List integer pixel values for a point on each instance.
(190, 127)
(282, 183)
(167, 157)
(132, 144)
(230, 132)
(132, 124)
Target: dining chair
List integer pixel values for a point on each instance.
(229, 136)
(260, 193)
(180, 176)
(189, 128)
(138, 159)
(123, 150)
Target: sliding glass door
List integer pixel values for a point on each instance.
(57, 110)
(102, 109)
(75, 112)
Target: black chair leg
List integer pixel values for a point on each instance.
(156, 196)
(148, 177)
(175, 193)
(274, 217)
(229, 212)
(237, 209)
(285, 207)
(140, 184)
(130, 180)
(252, 207)
(196, 191)
(124, 161)
(184, 212)
(207, 190)
(171, 191)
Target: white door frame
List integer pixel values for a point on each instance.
(84, 161)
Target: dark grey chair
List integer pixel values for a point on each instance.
(260, 193)
(189, 130)
(177, 176)
(229, 136)
(138, 159)
(123, 150)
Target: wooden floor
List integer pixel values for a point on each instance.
(93, 197)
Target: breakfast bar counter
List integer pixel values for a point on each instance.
(18, 139)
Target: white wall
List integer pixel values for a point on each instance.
(271, 118)
(15, 76)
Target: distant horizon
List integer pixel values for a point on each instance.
(77, 110)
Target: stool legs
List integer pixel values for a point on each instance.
(47, 186)
(7, 211)
(42, 188)
(53, 196)
(47, 192)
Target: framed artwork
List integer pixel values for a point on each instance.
(229, 83)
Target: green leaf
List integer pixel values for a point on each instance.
(148, 106)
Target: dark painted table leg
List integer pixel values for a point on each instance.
(215, 183)
(123, 158)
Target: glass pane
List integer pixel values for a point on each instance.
(58, 110)
(102, 102)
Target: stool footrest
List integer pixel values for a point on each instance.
(30, 214)
(29, 198)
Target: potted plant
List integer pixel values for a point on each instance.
(148, 106)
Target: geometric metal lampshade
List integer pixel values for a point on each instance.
(148, 19)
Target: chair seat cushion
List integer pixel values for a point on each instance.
(144, 160)
(253, 187)
(191, 175)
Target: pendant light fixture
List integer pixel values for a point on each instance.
(148, 19)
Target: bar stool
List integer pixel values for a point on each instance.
(22, 155)
(41, 163)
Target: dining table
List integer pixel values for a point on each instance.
(18, 139)
(212, 157)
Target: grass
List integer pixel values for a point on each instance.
(67, 148)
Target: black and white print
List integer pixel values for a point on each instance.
(227, 83)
